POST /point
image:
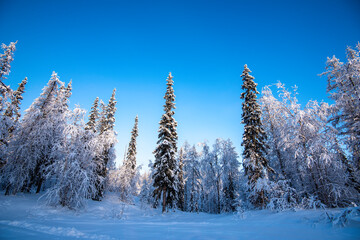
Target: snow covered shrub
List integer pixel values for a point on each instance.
(311, 202)
(259, 192)
(281, 196)
(120, 182)
(345, 217)
(118, 211)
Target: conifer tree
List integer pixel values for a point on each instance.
(11, 115)
(5, 59)
(5, 91)
(128, 170)
(10, 120)
(165, 166)
(93, 117)
(107, 139)
(13, 110)
(255, 164)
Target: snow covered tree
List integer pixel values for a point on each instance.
(128, 169)
(147, 188)
(5, 59)
(6, 94)
(10, 119)
(255, 164)
(274, 121)
(107, 139)
(93, 117)
(211, 172)
(207, 180)
(230, 176)
(13, 110)
(31, 148)
(344, 89)
(193, 179)
(180, 174)
(166, 182)
(304, 148)
(75, 173)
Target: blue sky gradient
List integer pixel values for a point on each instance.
(132, 45)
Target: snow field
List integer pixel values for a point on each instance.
(27, 217)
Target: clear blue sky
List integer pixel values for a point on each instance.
(132, 45)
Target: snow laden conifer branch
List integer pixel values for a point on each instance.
(165, 167)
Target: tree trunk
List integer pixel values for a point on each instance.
(39, 185)
(164, 200)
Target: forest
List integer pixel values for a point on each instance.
(293, 156)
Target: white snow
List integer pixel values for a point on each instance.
(27, 217)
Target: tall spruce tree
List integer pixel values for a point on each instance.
(107, 139)
(93, 117)
(165, 166)
(130, 161)
(255, 164)
(128, 170)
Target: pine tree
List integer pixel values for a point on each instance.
(107, 139)
(255, 164)
(13, 110)
(93, 117)
(5, 93)
(10, 120)
(131, 152)
(5, 59)
(128, 169)
(165, 167)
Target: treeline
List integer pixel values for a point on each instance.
(293, 156)
(209, 178)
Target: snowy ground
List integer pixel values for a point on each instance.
(26, 217)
